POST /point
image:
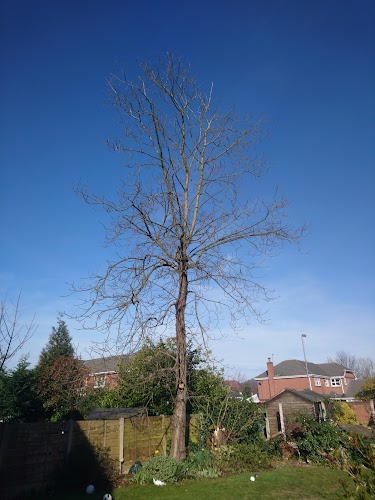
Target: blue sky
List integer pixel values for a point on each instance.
(307, 66)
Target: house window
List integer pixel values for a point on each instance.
(335, 382)
(326, 381)
(317, 382)
(99, 381)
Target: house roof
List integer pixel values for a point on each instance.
(353, 387)
(334, 369)
(234, 385)
(312, 396)
(105, 365)
(115, 413)
(296, 367)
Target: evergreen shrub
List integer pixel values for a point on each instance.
(242, 457)
(166, 469)
(200, 464)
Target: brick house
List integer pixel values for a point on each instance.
(324, 378)
(103, 372)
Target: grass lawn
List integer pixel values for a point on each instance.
(299, 483)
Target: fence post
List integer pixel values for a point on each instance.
(121, 444)
(164, 439)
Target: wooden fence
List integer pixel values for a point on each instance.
(30, 453)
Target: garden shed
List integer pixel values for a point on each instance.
(290, 402)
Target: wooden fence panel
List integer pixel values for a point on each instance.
(31, 453)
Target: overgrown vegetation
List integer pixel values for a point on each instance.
(319, 442)
(166, 469)
(325, 443)
(342, 413)
(241, 457)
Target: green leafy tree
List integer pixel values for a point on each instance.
(148, 379)
(19, 401)
(206, 387)
(60, 376)
(61, 385)
(59, 344)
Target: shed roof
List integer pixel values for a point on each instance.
(115, 413)
(306, 394)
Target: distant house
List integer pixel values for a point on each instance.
(291, 402)
(330, 379)
(237, 390)
(103, 372)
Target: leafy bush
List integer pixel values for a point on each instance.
(342, 413)
(362, 451)
(364, 484)
(241, 457)
(361, 468)
(273, 446)
(319, 442)
(166, 469)
(200, 464)
(240, 420)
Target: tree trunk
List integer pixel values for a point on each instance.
(178, 444)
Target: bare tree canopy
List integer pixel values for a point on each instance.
(362, 367)
(189, 226)
(13, 334)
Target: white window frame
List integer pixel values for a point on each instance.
(336, 382)
(326, 382)
(317, 382)
(99, 381)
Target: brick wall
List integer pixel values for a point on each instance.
(362, 410)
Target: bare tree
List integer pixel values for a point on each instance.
(362, 367)
(188, 224)
(13, 334)
(345, 359)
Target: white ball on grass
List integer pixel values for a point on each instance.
(252, 478)
(90, 489)
(107, 496)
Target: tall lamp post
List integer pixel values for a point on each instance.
(303, 336)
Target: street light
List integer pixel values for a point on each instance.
(303, 336)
